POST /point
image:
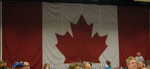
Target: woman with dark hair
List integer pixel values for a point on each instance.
(107, 65)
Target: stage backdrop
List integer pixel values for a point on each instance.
(64, 33)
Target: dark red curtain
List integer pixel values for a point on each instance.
(133, 31)
(22, 28)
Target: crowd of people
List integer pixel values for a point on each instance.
(136, 62)
(16, 65)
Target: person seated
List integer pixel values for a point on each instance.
(107, 65)
(75, 66)
(148, 66)
(3, 65)
(141, 65)
(87, 65)
(18, 65)
(139, 57)
(131, 63)
(26, 65)
(47, 66)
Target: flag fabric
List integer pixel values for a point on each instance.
(64, 18)
(63, 33)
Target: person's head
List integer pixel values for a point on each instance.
(148, 66)
(46, 66)
(140, 65)
(87, 65)
(108, 63)
(18, 65)
(26, 65)
(75, 66)
(3, 63)
(131, 63)
(138, 53)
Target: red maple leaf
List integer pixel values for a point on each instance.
(81, 46)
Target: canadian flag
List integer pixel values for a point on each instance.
(64, 33)
(77, 32)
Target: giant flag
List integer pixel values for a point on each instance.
(64, 33)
